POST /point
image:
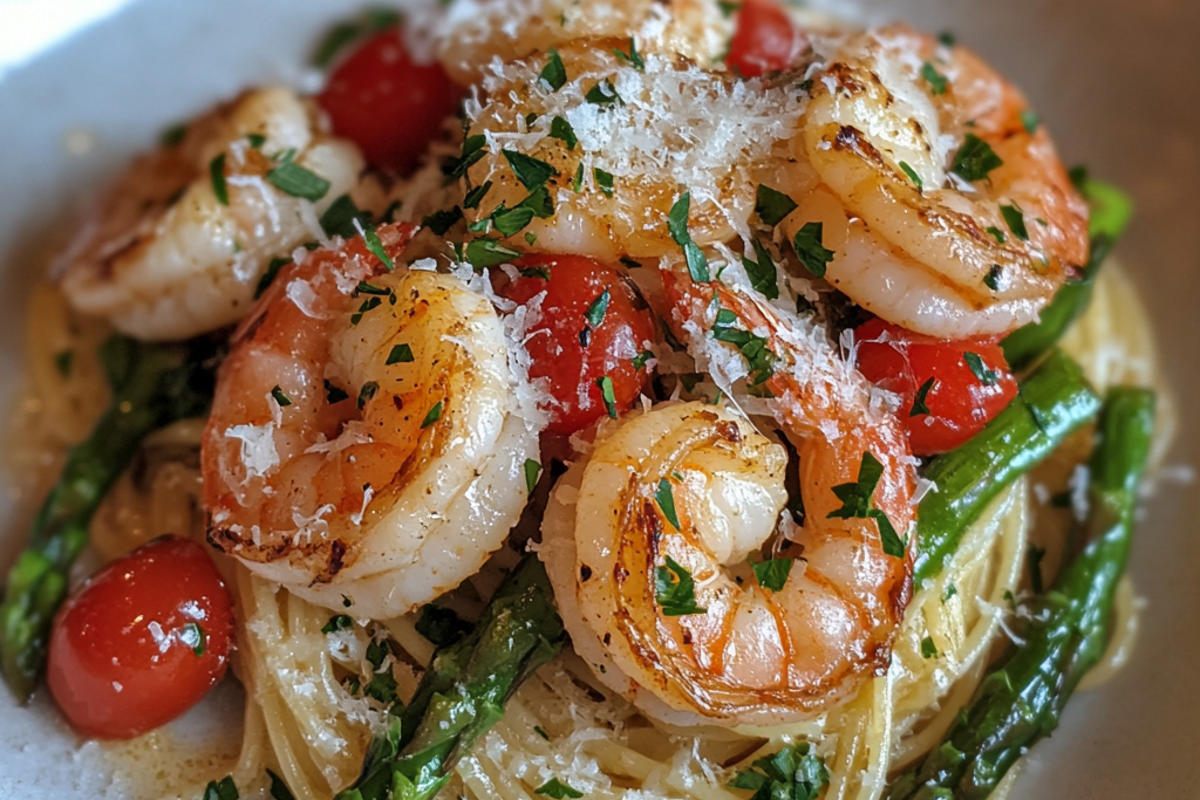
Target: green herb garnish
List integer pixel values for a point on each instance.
(401, 354)
(975, 159)
(773, 573)
(434, 414)
(675, 589)
(810, 249)
(772, 205)
(920, 406)
(677, 224)
(975, 363)
(560, 128)
(554, 74)
(216, 171)
(857, 504)
(282, 399)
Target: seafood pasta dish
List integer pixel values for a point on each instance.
(639, 399)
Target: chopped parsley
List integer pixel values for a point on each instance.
(533, 471)
(279, 789)
(173, 135)
(341, 622)
(856, 503)
(282, 399)
(997, 234)
(810, 249)
(216, 171)
(509, 221)
(434, 414)
(339, 218)
(675, 590)
(370, 21)
(193, 636)
(368, 390)
(557, 790)
(947, 39)
(540, 731)
(291, 178)
(401, 354)
(530, 171)
(759, 358)
(382, 686)
(370, 304)
(641, 358)
(1014, 217)
(920, 405)
(442, 221)
(975, 159)
(633, 57)
(606, 391)
(371, 289)
(772, 205)
(346, 601)
(577, 181)
(603, 94)
(762, 271)
(63, 360)
(257, 140)
(1031, 120)
(794, 773)
(334, 395)
(473, 150)
(598, 308)
(951, 591)
(560, 128)
(476, 195)
(489, 253)
(604, 180)
(224, 789)
(992, 279)
(928, 648)
(371, 239)
(938, 84)
(773, 573)
(980, 370)
(912, 175)
(665, 497)
(440, 625)
(677, 224)
(728, 8)
(554, 74)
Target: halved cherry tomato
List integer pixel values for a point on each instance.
(960, 384)
(388, 105)
(764, 40)
(574, 352)
(142, 641)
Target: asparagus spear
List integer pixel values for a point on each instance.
(1110, 213)
(1022, 699)
(153, 385)
(464, 692)
(1053, 402)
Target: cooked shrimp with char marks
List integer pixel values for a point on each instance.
(364, 440)
(940, 194)
(179, 244)
(698, 485)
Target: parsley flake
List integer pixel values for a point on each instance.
(554, 74)
(951, 591)
(476, 195)
(675, 590)
(759, 358)
(633, 57)
(216, 171)
(677, 224)
(368, 390)
(596, 311)
(641, 358)
(193, 636)
(440, 625)
(434, 414)
(928, 648)
(920, 405)
(268, 276)
(282, 399)
(773, 573)
(557, 790)
(912, 175)
(173, 135)
(530, 171)
(279, 789)
(489, 253)
(810, 249)
(762, 272)
(560, 128)
(533, 471)
(224, 789)
(665, 497)
(980, 370)
(540, 731)
(603, 94)
(606, 391)
(344, 33)
(341, 622)
(371, 239)
(442, 221)
(604, 180)
(473, 150)
(975, 159)
(992, 279)
(339, 218)
(401, 354)
(293, 179)
(794, 773)
(938, 83)
(1000, 236)
(856, 503)
(334, 395)
(772, 205)
(1014, 217)
(1031, 120)
(512, 220)
(257, 140)
(728, 8)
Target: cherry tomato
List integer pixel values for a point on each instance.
(764, 39)
(574, 352)
(971, 382)
(388, 105)
(142, 641)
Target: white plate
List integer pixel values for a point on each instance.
(1113, 79)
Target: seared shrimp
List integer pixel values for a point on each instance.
(365, 440)
(985, 229)
(183, 238)
(618, 142)
(696, 484)
(479, 31)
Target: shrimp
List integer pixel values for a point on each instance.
(479, 31)
(621, 143)
(365, 441)
(168, 256)
(955, 254)
(696, 483)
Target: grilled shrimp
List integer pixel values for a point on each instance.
(479, 31)
(181, 241)
(617, 142)
(985, 229)
(364, 440)
(697, 484)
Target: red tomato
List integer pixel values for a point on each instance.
(572, 352)
(960, 403)
(764, 40)
(142, 641)
(388, 105)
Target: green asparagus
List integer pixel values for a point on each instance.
(1110, 214)
(1022, 700)
(153, 385)
(1053, 402)
(464, 691)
